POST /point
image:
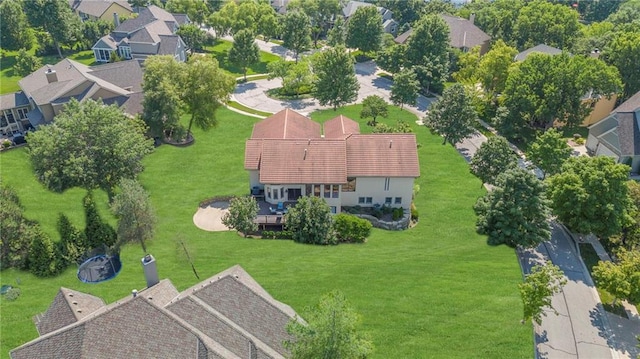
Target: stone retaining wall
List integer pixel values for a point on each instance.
(390, 226)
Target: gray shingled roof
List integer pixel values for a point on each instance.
(13, 100)
(628, 133)
(168, 44)
(632, 104)
(463, 33)
(542, 48)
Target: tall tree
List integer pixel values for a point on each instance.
(310, 221)
(541, 22)
(56, 18)
(194, 37)
(338, 33)
(267, 23)
(206, 88)
(468, 66)
(331, 331)
(364, 29)
(162, 102)
(516, 212)
(336, 83)
(494, 157)
(26, 63)
(244, 52)
(493, 67)
(549, 152)
(197, 10)
(405, 11)
(498, 19)
(589, 195)
(452, 116)
(372, 107)
(89, 145)
(222, 21)
(623, 53)
(627, 13)
(392, 58)
(14, 242)
(42, 261)
(321, 13)
(538, 288)
(15, 32)
(629, 239)
(620, 278)
(428, 52)
(97, 232)
(296, 34)
(136, 218)
(241, 215)
(404, 89)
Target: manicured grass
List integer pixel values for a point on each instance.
(244, 108)
(433, 291)
(221, 49)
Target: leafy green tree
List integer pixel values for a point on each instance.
(435, 7)
(494, 157)
(206, 88)
(310, 221)
(596, 35)
(452, 116)
(372, 107)
(493, 68)
(364, 29)
(320, 13)
(194, 37)
(589, 195)
(97, 232)
(336, 83)
(405, 11)
(94, 29)
(42, 261)
(538, 288)
(222, 21)
(26, 63)
(197, 10)
(592, 11)
(89, 145)
(549, 152)
(241, 215)
(620, 278)
(541, 22)
(162, 102)
(244, 52)
(627, 13)
(468, 66)
(516, 212)
(338, 34)
(498, 19)
(404, 89)
(428, 52)
(623, 53)
(268, 25)
(15, 32)
(298, 78)
(391, 59)
(246, 17)
(136, 218)
(278, 69)
(72, 242)
(331, 331)
(296, 33)
(629, 239)
(14, 242)
(56, 18)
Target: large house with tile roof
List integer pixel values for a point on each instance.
(152, 32)
(100, 9)
(45, 91)
(288, 156)
(228, 315)
(618, 135)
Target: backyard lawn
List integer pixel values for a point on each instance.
(221, 49)
(433, 291)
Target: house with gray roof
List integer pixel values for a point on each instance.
(541, 48)
(228, 315)
(100, 9)
(153, 32)
(389, 25)
(45, 91)
(618, 135)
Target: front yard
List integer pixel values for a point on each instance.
(434, 291)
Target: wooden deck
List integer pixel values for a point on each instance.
(269, 220)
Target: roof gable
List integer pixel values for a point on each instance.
(630, 105)
(340, 127)
(463, 33)
(286, 124)
(542, 48)
(382, 155)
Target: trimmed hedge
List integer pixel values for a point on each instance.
(350, 228)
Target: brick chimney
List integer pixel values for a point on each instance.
(150, 270)
(51, 75)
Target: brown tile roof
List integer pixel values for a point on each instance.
(340, 127)
(303, 161)
(252, 153)
(286, 124)
(382, 155)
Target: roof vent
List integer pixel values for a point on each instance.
(79, 310)
(390, 143)
(305, 154)
(74, 302)
(150, 297)
(71, 294)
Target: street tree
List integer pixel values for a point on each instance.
(56, 18)
(197, 10)
(629, 238)
(589, 195)
(193, 36)
(549, 151)
(515, 212)
(623, 53)
(246, 17)
(364, 29)
(205, 88)
(310, 221)
(89, 145)
(404, 89)
(241, 215)
(15, 32)
(452, 116)
(498, 19)
(330, 331)
(244, 52)
(493, 68)
(320, 12)
(338, 34)
(136, 217)
(296, 33)
(267, 24)
(372, 107)
(391, 58)
(161, 103)
(14, 242)
(494, 157)
(336, 83)
(26, 63)
(427, 52)
(620, 278)
(278, 69)
(222, 21)
(538, 288)
(298, 78)
(542, 22)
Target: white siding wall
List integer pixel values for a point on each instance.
(374, 187)
(604, 151)
(254, 178)
(592, 143)
(141, 48)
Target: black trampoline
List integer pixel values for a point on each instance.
(99, 268)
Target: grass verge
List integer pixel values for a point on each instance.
(246, 109)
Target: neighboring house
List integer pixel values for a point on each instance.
(100, 9)
(388, 23)
(228, 315)
(48, 89)
(152, 32)
(289, 157)
(463, 34)
(601, 106)
(280, 6)
(618, 135)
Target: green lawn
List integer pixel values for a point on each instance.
(433, 291)
(221, 49)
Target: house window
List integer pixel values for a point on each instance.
(369, 200)
(360, 200)
(387, 200)
(22, 113)
(334, 209)
(125, 52)
(350, 186)
(365, 200)
(275, 193)
(335, 192)
(387, 183)
(327, 191)
(316, 190)
(102, 55)
(398, 200)
(307, 190)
